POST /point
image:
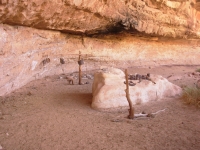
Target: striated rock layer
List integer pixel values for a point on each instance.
(27, 54)
(173, 18)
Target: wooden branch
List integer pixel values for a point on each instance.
(151, 80)
(131, 110)
(80, 73)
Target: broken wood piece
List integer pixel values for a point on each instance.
(158, 111)
(140, 115)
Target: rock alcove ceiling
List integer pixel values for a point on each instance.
(111, 32)
(177, 18)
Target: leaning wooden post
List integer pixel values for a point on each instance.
(80, 73)
(131, 110)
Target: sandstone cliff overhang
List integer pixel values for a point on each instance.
(177, 18)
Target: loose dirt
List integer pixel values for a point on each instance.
(50, 114)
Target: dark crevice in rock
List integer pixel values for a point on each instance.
(100, 17)
(116, 29)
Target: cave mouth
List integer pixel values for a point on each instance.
(120, 34)
(119, 31)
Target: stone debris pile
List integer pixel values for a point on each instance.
(73, 77)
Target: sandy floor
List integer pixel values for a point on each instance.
(50, 114)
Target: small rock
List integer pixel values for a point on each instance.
(1, 148)
(29, 94)
(143, 112)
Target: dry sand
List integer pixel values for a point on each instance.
(50, 114)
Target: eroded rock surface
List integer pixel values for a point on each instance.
(109, 89)
(173, 18)
(27, 54)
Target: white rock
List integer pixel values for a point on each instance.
(109, 89)
(1, 147)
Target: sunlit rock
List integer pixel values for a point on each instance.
(27, 54)
(109, 89)
(177, 18)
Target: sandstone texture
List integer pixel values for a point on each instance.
(27, 54)
(36, 34)
(109, 89)
(173, 18)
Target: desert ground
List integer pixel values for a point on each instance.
(50, 114)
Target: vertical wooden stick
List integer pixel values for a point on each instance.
(131, 110)
(80, 73)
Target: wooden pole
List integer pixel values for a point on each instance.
(80, 73)
(131, 110)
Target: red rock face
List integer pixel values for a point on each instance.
(27, 54)
(177, 18)
(65, 27)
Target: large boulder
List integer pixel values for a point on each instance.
(109, 89)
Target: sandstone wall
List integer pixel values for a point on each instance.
(25, 53)
(173, 18)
